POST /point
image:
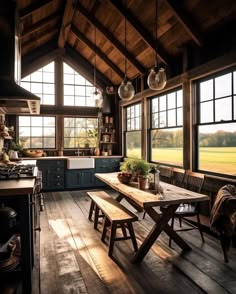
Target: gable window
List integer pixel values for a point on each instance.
(217, 123)
(37, 131)
(77, 90)
(76, 132)
(167, 128)
(42, 84)
(133, 131)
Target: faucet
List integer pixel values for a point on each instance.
(77, 152)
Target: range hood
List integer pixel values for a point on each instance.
(13, 98)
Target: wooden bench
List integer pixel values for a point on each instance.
(115, 216)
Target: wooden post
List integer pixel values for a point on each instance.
(187, 124)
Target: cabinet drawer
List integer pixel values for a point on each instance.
(102, 162)
(115, 162)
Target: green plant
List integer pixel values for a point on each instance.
(16, 146)
(141, 167)
(138, 167)
(127, 165)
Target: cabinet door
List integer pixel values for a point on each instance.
(87, 178)
(72, 179)
(80, 178)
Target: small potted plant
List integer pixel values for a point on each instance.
(141, 168)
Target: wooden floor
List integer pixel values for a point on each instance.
(74, 260)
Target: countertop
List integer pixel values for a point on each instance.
(17, 187)
(65, 157)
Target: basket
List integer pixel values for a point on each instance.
(124, 178)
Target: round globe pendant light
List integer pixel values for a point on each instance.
(157, 77)
(126, 89)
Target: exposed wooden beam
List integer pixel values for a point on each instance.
(42, 35)
(66, 22)
(34, 7)
(84, 67)
(40, 57)
(103, 56)
(146, 36)
(39, 25)
(180, 14)
(111, 38)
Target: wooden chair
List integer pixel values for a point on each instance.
(192, 181)
(178, 176)
(165, 173)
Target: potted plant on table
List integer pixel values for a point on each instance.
(139, 168)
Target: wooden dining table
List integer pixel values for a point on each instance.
(171, 197)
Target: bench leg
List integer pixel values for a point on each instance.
(91, 210)
(106, 223)
(123, 228)
(112, 238)
(132, 235)
(96, 215)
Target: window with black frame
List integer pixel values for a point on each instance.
(37, 131)
(166, 133)
(133, 131)
(42, 84)
(216, 97)
(80, 132)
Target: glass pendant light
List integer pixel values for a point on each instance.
(126, 89)
(157, 76)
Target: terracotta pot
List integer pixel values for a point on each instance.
(142, 181)
(96, 151)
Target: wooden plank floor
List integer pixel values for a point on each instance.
(74, 260)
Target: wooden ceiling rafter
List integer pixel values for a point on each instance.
(40, 57)
(40, 25)
(68, 15)
(94, 48)
(34, 7)
(42, 35)
(111, 38)
(144, 34)
(185, 21)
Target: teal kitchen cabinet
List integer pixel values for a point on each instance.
(53, 174)
(106, 165)
(80, 178)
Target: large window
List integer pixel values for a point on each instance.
(42, 84)
(77, 90)
(37, 131)
(133, 131)
(167, 128)
(77, 132)
(217, 123)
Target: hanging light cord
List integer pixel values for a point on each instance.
(125, 41)
(157, 65)
(95, 58)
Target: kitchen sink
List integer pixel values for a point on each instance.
(80, 163)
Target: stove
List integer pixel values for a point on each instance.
(18, 171)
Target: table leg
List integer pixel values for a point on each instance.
(135, 205)
(161, 223)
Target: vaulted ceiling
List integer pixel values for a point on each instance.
(187, 30)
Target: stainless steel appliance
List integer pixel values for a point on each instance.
(18, 171)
